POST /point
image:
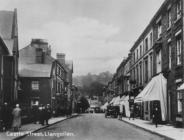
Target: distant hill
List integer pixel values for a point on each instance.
(87, 80)
(91, 84)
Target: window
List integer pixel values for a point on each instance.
(146, 70)
(137, 70)
(151, 65)
(169, 18)
(159, 29)
(140, 50)
(178, 9)
(140, 73)
(137, 54)
(179, 102)
(35, 85)
(151, 39)
(146, 44)
(178, 50)
(158, 61)
(170, 53)
(134, 74)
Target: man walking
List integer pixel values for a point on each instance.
(156, 115)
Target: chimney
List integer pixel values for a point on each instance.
(61, 57)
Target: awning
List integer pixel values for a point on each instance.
(105, 106)
(181, 87)
(155, 90)
(113, 99)
(117, 101)
(125, 102)
(122, 98)
(125, 98)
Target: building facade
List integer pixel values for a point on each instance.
(159, 49)
(41, 77)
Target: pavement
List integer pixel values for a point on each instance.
(30, 128)
(167, 131)
(92, 127)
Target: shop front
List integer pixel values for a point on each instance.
(155, 91)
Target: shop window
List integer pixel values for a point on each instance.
(179, 102)
(35, 85)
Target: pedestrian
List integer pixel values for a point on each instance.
(131, 112)
(47, 113)
(16, 118)
(42, 115)
(156, 115)
(35, 113)
(6, 116)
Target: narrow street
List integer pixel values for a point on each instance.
(94, 127)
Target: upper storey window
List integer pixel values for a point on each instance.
(159, 29)
(169, 18)
(178, 9)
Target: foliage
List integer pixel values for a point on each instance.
(84, 104)
(92, 85)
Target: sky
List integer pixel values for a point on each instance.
(96, 34)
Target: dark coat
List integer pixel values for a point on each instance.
(156, 114)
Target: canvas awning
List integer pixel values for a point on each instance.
(125, 102)
(116, 101)
(105, 106)
(122, 98)
(155, 90)
(181, 87)
(125, 98)
(112, 101)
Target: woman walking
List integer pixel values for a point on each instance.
(16, 118)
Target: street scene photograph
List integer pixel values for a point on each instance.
(91, 69)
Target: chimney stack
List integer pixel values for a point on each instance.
(61, 57)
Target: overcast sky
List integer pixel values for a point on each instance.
(95, 34)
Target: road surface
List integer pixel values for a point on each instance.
(92, 127)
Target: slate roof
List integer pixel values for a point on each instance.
(8, 29)
(35, 70)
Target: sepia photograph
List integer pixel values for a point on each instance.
(91, 69)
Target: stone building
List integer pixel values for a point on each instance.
(159, 50)
(41, 77)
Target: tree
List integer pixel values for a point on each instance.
(84, 104)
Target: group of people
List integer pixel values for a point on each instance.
(44, 114)
(10, 118)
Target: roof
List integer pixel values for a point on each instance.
(150, 23)
(35, 70)
(9, 29)
(6, 24)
